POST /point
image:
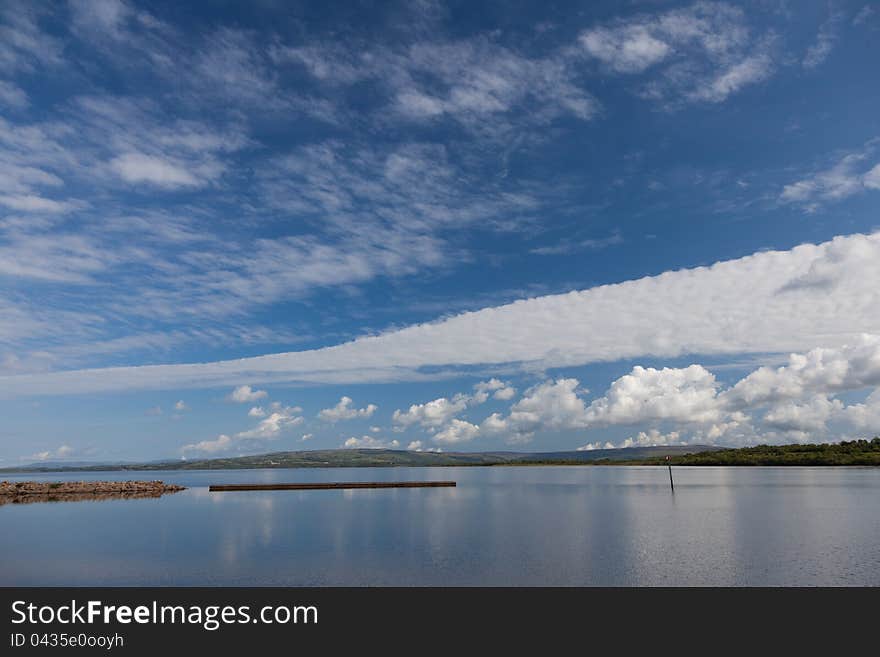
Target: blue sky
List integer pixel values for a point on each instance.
(235, 228)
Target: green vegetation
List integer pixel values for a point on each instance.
(359, 458)
(853, 452)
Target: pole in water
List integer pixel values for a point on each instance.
(669, 465)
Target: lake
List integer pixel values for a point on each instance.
(568, 526)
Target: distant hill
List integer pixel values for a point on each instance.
(360, 458)
(855, 452)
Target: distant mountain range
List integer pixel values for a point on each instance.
(362, 458)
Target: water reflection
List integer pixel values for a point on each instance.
(37, 498)
(499, 526)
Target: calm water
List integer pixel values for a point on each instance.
(500, 526)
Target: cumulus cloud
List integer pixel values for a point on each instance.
(647, 395)
(771, 302)
(649, 438)
(794, 402)
(499, 390)
(257, 411)
(457, 431)
(652, 438)
(219, 444)
(245, 394)
(439, 415)
(273, 424)
(821, 370)
(419, 446)
(811, 415)
(61, 453)
(370, 442)
(553, 405)
(431, 414)
(864, 416)
(180, 406)
(589, 447)
(344, 411)
(269, 428)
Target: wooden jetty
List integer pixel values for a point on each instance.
(337, 485)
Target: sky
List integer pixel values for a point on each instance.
(235, 228)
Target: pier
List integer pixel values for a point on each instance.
(339, 485)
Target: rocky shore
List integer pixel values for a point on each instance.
(25, 492)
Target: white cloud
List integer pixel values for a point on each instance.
(821, 370)
(552, 404)
(419, 446)
(438, 416)
(61, 453)
(307, 436)
(343, 411)
(219, 444)
(871, 179)
(272, 425)
(457, 431)
(572, 246)
(257, 411)
(245, 394)
(493, 425)
(504, 394)
(864, 15)
(466, 80)
(733, 78)
(12, 96)
(652, 438)
(701, 53)
(431, 414)
(770, 302)
(646, 395)
(798, 400)
(33, 203)
(828, 34)
(269, 428)
(181, 406)
(589, 447)
(370, 442)
(811, 415)
(851, 174)
(864, 416)
(500, 390)
(24, 46)
(626, 49)
(137, 168)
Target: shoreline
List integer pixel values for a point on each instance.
(26, 492)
